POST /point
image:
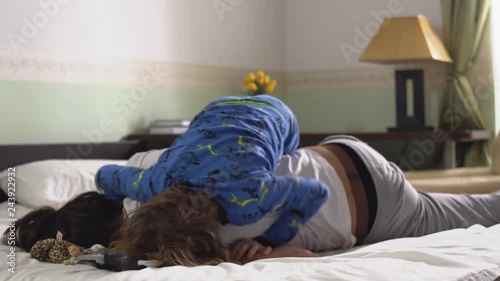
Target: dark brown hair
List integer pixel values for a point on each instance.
(86, 220)
(176, 227)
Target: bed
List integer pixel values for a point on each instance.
(460, 254)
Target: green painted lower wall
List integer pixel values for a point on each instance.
(37, 112)
(363, 110)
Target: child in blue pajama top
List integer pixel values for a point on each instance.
(229, 153)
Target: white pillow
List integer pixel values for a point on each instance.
(53, 182)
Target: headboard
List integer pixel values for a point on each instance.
(11, 155)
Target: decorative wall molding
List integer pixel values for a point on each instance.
(26, 66)
(42, 67)
(352, 79)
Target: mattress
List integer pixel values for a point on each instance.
(460, 254)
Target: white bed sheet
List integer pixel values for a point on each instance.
(461, 254)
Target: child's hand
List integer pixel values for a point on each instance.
(245, 250)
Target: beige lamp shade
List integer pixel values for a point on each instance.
(405, 39)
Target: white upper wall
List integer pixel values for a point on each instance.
(234, 33)
(316, 29)
(283, 35)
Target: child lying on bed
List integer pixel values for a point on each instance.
(228, 153)
(387, 207)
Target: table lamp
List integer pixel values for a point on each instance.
(406, 39)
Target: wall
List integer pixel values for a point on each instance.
(88, 113)
(324, 40)
(69, 68)
(317, 30)
(81, 58)
(242, 34)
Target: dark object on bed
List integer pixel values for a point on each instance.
(118, 261)
(104, 259)
(13, 155)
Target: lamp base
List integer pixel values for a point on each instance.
(410, 128)
(410, 115)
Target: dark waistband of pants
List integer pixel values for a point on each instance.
(362, 186)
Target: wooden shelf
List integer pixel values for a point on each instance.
(452, 141)
(153, 138)
(315, 138)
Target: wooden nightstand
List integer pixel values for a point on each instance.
(422, 140)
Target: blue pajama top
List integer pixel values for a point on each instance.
(229, 153)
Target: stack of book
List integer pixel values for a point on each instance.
(169, 127)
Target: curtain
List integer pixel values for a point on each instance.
(463, 25)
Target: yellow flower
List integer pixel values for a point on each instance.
(251, 86)
(250, 78)
(261, 80)
(260, 74)
(267, 79)
(271, 86)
